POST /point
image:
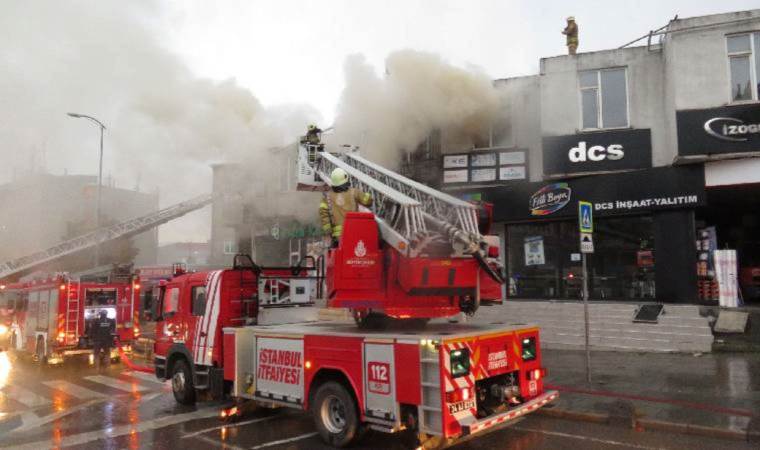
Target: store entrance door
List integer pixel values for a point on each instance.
(733, 212)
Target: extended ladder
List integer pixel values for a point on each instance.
(404, 209)
(124, 229)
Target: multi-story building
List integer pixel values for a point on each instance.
(40, 210)
(662, 138)
(260, 212)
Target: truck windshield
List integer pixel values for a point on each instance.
(100, 297)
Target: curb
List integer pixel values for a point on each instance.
(653, 424)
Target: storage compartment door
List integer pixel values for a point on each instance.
(379, 382)
(279, 369)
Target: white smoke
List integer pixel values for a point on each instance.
(418, 93)
(164, 125)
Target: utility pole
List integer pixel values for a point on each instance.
(98, 216)
(586, 228)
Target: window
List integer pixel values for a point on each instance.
(198, 294)
(744, 66)
(230, 247)
(604, 98)
(171, 301)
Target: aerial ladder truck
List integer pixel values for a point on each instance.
(416, 254)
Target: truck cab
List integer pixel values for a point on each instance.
(193, 308)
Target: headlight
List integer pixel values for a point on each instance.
(3, 329)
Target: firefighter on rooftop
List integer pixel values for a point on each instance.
(571, 31)
(339, 201)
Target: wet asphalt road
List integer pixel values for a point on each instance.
(73, 406)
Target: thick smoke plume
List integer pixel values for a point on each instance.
(107, 59)
(418, 93)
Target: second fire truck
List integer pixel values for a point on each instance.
(50, 315)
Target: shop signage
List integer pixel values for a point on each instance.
(606, 151)
(485, 166)
(718, 131)
(549, 199)
(611, 194)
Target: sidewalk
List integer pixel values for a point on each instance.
(714, 394)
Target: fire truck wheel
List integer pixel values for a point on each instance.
(335, 414)
(182, 383)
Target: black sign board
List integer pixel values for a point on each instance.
(719, 131)
(604, 151)
(613, 194)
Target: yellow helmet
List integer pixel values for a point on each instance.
(338, 177)
(312, 127)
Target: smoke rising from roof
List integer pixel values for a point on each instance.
(418, 93)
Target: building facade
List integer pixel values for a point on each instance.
(663, 139)
(43, 209)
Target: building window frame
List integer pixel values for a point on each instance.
(753, 54)
(599, 102)
(229, 247)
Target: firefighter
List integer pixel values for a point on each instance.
(313, 135)
(571, 31)
(101, 332)
(340, 200)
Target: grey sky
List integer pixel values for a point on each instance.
(293, 51)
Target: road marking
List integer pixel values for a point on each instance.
(224, 445)
(116, 383)
(25, 396)
(585, 438)
(147, 377)
(231, 425)
(29, 422)
(121, 430)
(285, 441)
(72, 389)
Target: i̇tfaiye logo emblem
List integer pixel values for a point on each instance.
(360, 250)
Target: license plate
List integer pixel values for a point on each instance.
(461, 406)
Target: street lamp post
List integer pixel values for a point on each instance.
(100, 176)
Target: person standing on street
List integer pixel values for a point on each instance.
(102, 331)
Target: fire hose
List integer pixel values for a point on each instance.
(129, 363)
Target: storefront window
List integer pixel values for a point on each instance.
(543, 260)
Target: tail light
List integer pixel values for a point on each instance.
(493, 252)
(61, 336)
(537, 374)
(459, 395)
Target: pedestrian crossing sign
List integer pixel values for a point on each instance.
(585, 217)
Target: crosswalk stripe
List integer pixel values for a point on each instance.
(146, 377)
(25, 396)
(116, 383)
(72, 389)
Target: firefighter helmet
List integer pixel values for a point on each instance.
(338, 177)
(312, 127)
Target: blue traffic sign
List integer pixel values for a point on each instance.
(586, 217)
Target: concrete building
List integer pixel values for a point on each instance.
(190, 253)
(663, 138)
(260, 212)
(41, 209)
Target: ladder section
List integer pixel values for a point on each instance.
(71, 327)
(400, 217)
(441, 206)
(124, 229)
(430, 413)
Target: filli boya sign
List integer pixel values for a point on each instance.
(605, 151)
(549, 199)
(719, 131)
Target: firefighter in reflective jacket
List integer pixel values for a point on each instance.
(339, 201)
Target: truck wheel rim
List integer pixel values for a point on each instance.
(333, 414)
(178, 382)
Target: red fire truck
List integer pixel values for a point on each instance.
(50, 315)
(443, 381)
